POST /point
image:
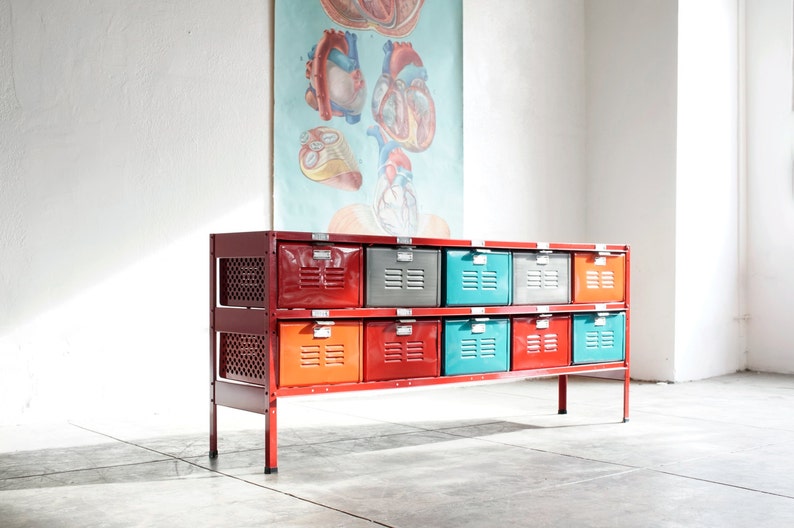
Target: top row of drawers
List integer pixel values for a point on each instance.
(352, 276)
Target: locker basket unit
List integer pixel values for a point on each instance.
(599, 337)
(319, 275)
(541, 277)
(319, 352)
(599, 277)
(403, 276)
(477, 277)
(398, 349)
(541, 341)
(476, 345)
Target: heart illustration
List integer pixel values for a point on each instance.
(336, 84)
(392, 18)
(401, 102)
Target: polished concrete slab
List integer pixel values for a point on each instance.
(712, 453)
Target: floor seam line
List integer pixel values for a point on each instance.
(217, 472)
(67, 471)
(633, 468)
(726, 484)
(288, 494)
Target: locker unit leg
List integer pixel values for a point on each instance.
(562, 396)
(271, 438)
(213, 429)
(626, 381)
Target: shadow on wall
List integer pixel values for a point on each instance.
(133, 340)
(123, 129)
(127, 134)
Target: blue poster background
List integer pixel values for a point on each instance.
(301, 204)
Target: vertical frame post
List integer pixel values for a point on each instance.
(627, 372)
(562, 394)
(213, 452)
(271, 347)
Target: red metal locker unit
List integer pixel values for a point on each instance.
(599, 277)
(541, 341)
(290, 315)
(401, 349)
(319, 275)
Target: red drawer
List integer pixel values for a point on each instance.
(319, 275)
(540, 342)
(401, 349)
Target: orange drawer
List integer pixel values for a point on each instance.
(599, 277)
(319, 352)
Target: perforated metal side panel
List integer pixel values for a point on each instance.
(242, 282)
(243, 358)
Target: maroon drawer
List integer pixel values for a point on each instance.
(319, 275)
(401, 349)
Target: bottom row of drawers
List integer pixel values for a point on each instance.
(345, 351)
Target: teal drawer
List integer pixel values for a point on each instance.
(477, 277)
(599, 337)
(476, 345)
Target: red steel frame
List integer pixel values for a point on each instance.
(263, 399)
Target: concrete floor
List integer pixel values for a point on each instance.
(716, 453)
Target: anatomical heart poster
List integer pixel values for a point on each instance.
(368, 117)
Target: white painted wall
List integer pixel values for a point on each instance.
(662, 170)
(631, 149)
(524, 120)
(707, 238)
(128, 132)
(770, 185)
